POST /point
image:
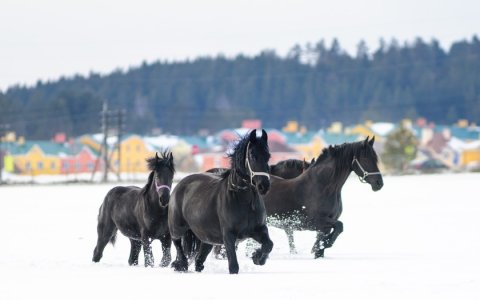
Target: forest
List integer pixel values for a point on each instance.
(314, 84)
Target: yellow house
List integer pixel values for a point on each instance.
(37, 158)
(134, 152)
(470, 156)
(312, 149)
(361, 129)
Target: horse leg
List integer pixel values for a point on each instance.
(260, 235)
(147, 251)
(202, 256)
(291, 243)
(106, 231)
(332, 237)
(180, 264)
(229, 240)
(166, 241)
(318, 248)
(135, 247)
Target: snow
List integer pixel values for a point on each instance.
(417, 238)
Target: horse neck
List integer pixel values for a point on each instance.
(151, 198)
(341, 167)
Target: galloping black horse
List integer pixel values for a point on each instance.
(139, 213)
(313, 201)
(286, 169)
(290, 168)
(224, 209)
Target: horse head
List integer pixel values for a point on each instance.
(256, 161)
(365, 165)
(163, 170)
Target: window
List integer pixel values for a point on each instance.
(78, 166)
(39, 165)
(66, 166)
(53, 165)
(90, 166)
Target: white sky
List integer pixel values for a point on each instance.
(45, 39)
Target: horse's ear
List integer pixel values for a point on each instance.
(253, 136)
(372, 141)
(313, 161)
(156, 156)
(170, 156)
(264, 136)
(366, 140)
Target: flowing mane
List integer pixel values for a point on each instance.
(237, 156)
(342, 154)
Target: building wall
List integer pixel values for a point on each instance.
(35, 162)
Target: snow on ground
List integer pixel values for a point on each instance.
(415, 239)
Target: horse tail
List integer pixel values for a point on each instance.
(190, 244)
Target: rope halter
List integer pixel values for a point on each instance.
(365, 173)
(252, 173)
(163, 186)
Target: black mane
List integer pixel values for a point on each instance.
(343, 154)
(237, 155)
(163, 161)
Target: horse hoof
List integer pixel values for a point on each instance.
(180, 266)
(164, 264)
(259, 258)
(319, 254)
(199, 268)
(133, 263)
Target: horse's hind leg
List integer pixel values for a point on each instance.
(106, 231)
(135, 247)
(202, 256)
(166, 241)
(180, 264)
(291, 242)
(260, 255)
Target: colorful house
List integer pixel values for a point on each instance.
(80, 159)
(38, 157)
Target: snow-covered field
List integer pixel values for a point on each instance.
(417, 238)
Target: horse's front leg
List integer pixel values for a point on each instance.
(332, 237)
(229, 240)
(166, 241)
(260, 235)
(147, 251)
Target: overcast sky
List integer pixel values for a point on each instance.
(45, 39)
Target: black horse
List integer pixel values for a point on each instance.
(287, 169)
(139, 213)
(223, 209)
(290, 168)
(313, 201)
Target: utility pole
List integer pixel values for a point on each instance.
(104, 143)
(120, 126)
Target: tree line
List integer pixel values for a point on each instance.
(314, 84)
